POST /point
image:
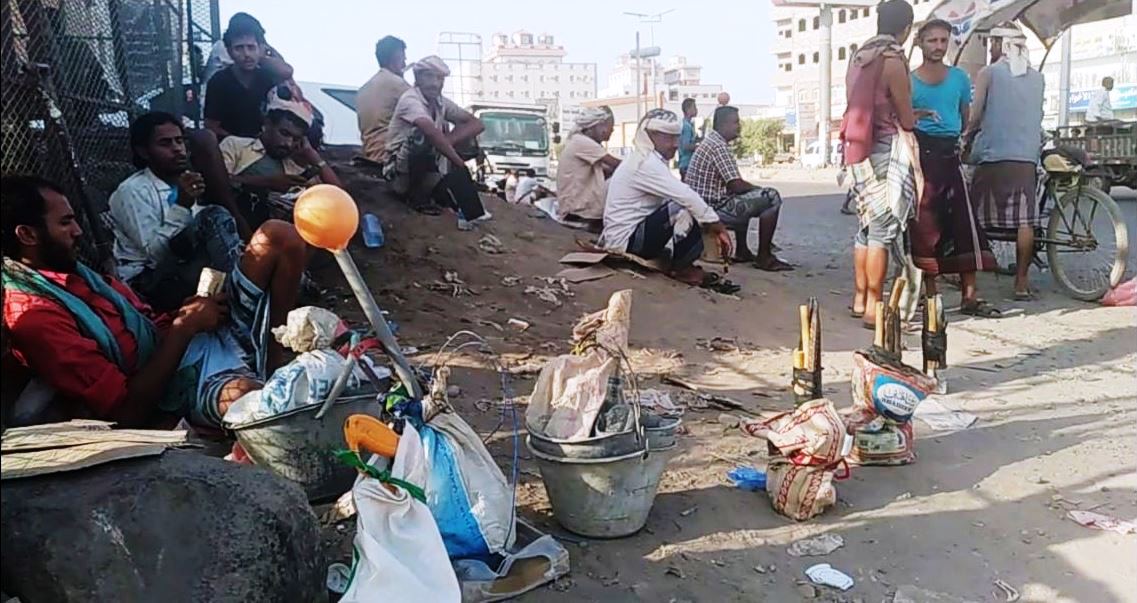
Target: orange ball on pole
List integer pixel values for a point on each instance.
(326, 217)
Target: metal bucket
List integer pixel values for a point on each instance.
(609, 445)
(299, 447)
(602, 497)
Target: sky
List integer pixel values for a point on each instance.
(333, 41)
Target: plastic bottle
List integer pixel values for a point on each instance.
(372, 231)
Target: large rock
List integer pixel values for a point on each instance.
(177, 527)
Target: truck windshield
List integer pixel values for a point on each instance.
(514, 132)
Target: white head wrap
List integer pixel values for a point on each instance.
(1014, 48)
(656, 120)
(433, 64)
(291, 105)
(589, 117)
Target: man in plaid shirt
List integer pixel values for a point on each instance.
(713, 174)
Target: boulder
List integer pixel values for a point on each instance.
(177, 527)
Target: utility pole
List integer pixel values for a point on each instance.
(640, 88)
(1064, 80)
(824, 108)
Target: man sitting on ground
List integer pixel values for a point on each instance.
(275, 161)
(235, 95)
(584, 168)
(377, 99)
(105, 354)
(423, 164)
(529, 190)
(651, 214)
(171, 218)
(714, 175)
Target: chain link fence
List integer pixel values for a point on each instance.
(74, 73)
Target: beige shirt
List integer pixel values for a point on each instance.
(375, 106)
(581, 186)
(239, 153)
(413, 105)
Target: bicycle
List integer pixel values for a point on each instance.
(1086, 257)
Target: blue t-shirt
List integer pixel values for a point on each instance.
(686, 137)
(945, 98)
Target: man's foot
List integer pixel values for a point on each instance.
(1025, 295)
(742, 254)
(771, 263)
(980, 308)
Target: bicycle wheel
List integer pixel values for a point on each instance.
(1088, 243)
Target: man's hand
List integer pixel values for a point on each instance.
(202, 314)
(723, 238)
(922, 113)
(191, 186)
(307, 154)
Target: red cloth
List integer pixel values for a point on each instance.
(868, 106)
(46, 339)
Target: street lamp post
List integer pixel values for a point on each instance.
(645, 18)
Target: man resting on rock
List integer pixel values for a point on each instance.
(105, 354)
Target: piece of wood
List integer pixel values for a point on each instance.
(803, 317)
(878, 334)
(584, 257)
(897, 288)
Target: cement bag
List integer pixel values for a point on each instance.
(799, 491)
(399, 555)
(892, 389)
(570, 389)
(466, 492)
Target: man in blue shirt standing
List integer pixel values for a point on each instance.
(946, 238)
(687, 139)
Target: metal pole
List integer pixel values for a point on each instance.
(825, 109)
(639, 84)
(375, 317)
(1064, 80)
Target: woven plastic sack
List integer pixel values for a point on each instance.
(799, 491)
(890, 388)
(813, 434)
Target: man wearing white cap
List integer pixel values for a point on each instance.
(421, 145)
(278, 159)
(651, 214)
(584, 167)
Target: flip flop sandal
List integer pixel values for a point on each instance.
(981, 309)
(428, 209)
(853, 313)
(1025, 296)
(713, 282)
(774, 265)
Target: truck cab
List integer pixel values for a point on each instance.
(516, 137)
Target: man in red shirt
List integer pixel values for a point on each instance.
(106, 354)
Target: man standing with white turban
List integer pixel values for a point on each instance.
(1006, 121)
(584, 167)
(422, 162)
(651, 214)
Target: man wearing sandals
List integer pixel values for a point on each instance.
(713, 174)
(651, 214)
(946, 238)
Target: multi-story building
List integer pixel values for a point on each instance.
(528, 68)
(1101, 49)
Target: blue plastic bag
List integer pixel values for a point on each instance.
(748, 478)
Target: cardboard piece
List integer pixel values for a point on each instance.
(56, 447)
(587, 273)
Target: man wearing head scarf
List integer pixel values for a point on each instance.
(422, 163)
(275, 161)
(1006, 123)
(584, 167)
(880, 153)
(651, 214)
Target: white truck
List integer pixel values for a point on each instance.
(517, 137)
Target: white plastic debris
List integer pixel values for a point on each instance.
(825, 575)
(308, 328)
(822, 544)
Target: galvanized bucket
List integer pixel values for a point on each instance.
(299, 447)
(603, 497)
(615, 444)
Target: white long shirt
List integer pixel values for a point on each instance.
(635, 192)
(1100, 108)
(146, 216)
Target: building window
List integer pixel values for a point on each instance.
(801, 59)
(816, 57)
(852, 48)
(801, 24)
(841, 16)
(841, 53)
(816, 22)
(853, 14)
(788, 66)
(865, 13)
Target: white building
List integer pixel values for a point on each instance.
(665, 84)
(528, 68)
(1098, 50)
